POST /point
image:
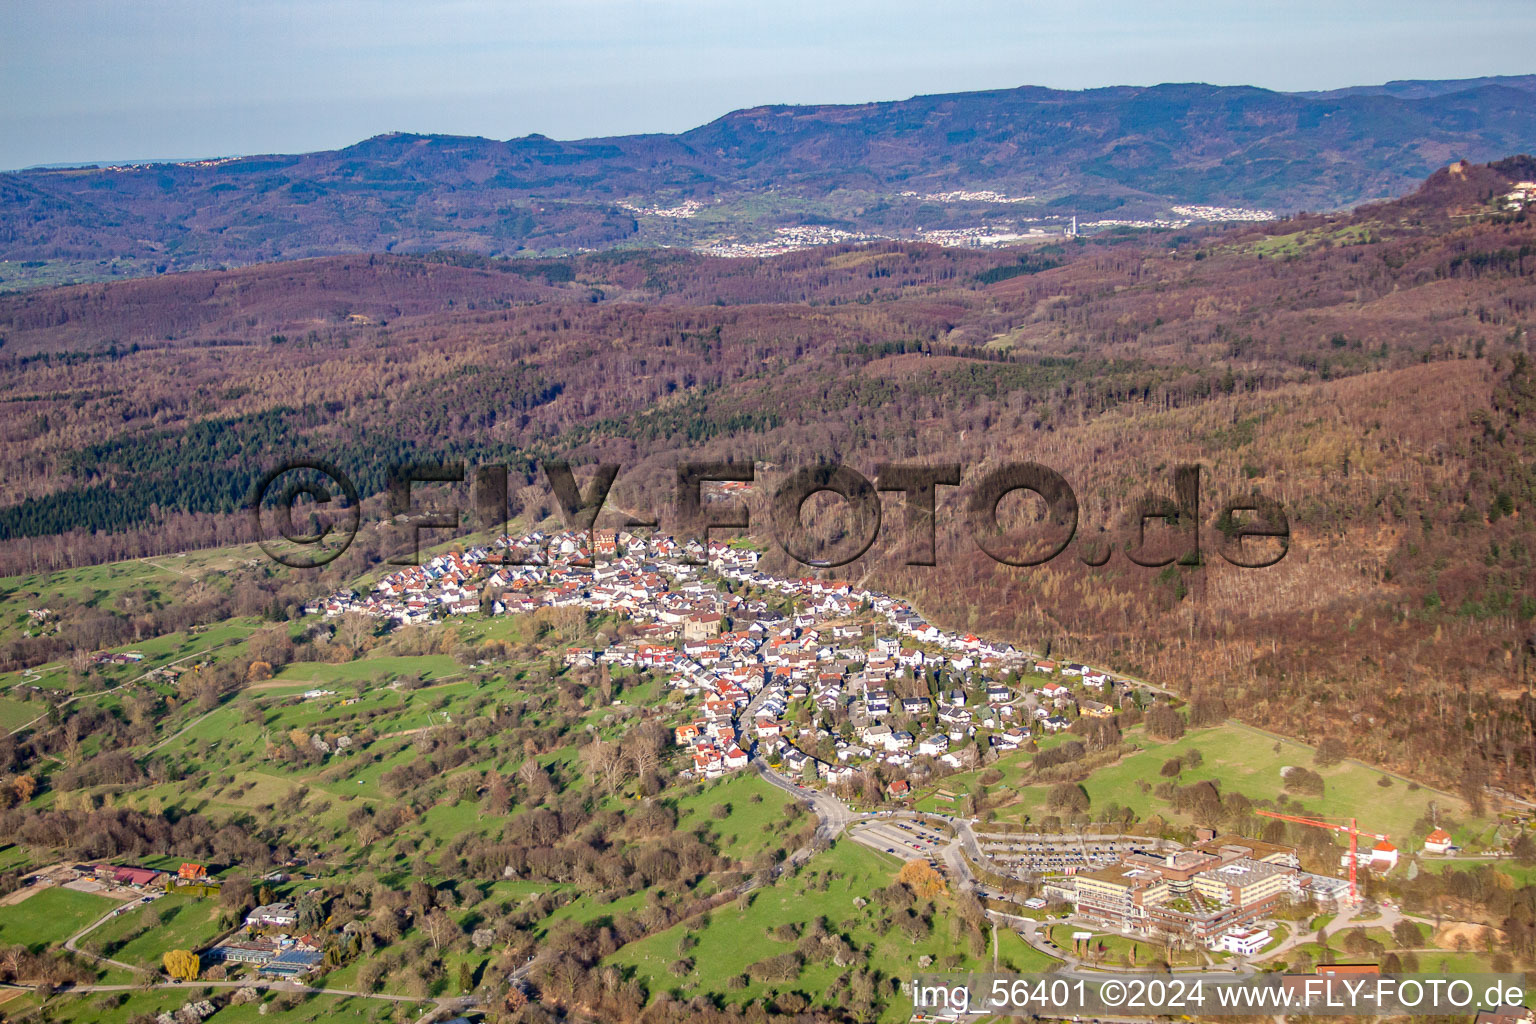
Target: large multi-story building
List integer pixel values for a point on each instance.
(1200, 894)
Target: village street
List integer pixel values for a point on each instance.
(832, 814)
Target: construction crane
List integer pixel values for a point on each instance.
(1345, 825)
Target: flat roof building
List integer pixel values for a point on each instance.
(1220, 886)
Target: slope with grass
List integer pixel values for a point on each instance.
(142, 936)
(49, 916)
(837, 888)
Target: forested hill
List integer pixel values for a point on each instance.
(1374, 372)
(882, 168)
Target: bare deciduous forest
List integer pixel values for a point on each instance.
(1372, 372)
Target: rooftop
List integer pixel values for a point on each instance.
(1244, 872)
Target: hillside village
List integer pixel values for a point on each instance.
(844, 698)
(836, 685)
(903, 692)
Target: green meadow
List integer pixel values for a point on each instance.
(754, 813)
(1238, 759)
(50, 916)
(290, 1008)
(143, 935)
(724, 943)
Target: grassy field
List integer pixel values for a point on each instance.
(100, 586)
(50, 916)
(1442, 962)
(589, 908)
(382, 668)
(1014, 954)
(14, 857)
(204, 644)
(727, 941)
(1242, 760)
(140, 937)
(89, 586)
(396, 983)
(1523, 874)
(231, 750)
(1298, 242)
(14, 713)
(1110, 948)
(114, 1008)
(747, 825)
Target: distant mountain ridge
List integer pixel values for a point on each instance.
(885, 168)
(1422, 88)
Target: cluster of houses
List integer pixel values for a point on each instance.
(267, 945)
(124, 875)
(1521, 196)
(131, 877)
(604, 571)
(744, 662)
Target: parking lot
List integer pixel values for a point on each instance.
(904, 838)
(1057, 854)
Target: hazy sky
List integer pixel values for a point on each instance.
(138, 79)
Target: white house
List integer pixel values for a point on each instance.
(933, 746)
(273, 915)
(1438, 841)
(1243, 941)
(1383, 856)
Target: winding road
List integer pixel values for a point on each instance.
(129, 682)
(832, 814)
